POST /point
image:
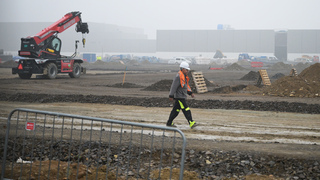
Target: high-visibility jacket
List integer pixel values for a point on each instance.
(180, 87)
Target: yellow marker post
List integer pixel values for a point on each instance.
(124, 76)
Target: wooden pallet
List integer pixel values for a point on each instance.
(199, 82)
(263, 78)
(293, 72)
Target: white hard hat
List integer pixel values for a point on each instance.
(184, 65)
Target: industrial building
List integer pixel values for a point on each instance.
(112, 39)
(278, 43)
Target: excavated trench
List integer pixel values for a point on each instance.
(163, 102)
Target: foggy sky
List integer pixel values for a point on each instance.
(152, 15)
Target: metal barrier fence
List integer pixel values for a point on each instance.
(49, 145)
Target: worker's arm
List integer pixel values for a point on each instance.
(190, 93)
(174, 86)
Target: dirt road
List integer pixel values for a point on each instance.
(289, 134)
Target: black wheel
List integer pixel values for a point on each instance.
(76, 71)
(52, 71)
(25, 75)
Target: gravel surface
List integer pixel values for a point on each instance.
(207, 164)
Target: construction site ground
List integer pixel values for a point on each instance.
(130, 89)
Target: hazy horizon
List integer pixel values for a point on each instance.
(153, 15)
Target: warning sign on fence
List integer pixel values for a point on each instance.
(30, 126)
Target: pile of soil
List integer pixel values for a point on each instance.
(311, 73)
(281, 66)
(99, 62)
(254, 75)
(162, 85)
(306, 84)
(251, 76)
(229, 89)
(234, 67)
(244, 63)
(165, 85)
(278, 76)
(126, 85)
(253, 89)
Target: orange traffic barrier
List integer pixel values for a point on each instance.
(256, 64)
(215, 68)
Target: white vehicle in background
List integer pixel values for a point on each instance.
(178, 60)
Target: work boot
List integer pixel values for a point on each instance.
(172, 125)
(192, 124)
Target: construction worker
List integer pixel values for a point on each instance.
(179, 90)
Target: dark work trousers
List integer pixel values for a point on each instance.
(180, 104)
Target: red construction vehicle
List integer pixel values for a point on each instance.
(43, 51)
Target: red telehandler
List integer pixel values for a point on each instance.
(42, 51)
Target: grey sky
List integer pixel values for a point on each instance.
(152, 15)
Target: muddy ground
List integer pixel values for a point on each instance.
(234, 115)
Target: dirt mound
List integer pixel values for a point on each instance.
(229, 89)
(277, 76)
(163, 85)
(234, 67)
(293, 87)
(281, 65)
(253, 89)
(307, 84)
(311, 73)
(126, 85)
(251, 76)
(99, 62)
(254, 75)
(244, 63)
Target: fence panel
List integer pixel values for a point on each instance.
(49, 145)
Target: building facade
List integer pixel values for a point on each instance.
(113, 39)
